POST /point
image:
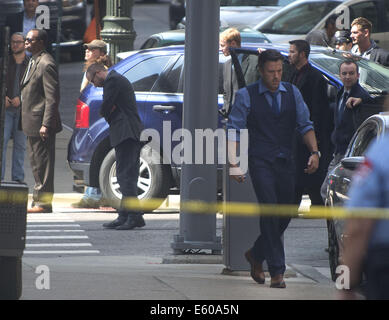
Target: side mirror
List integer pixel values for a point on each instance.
(352, 162)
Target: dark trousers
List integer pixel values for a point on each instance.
(273, 183)
(377, 266)
(313, 192)
(42, 160)
(127, 172)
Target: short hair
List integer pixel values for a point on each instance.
(231, 34)
(269, 55)
(42, 35)
(18, 34)
(363, 23)
(349, 61)
(302, 46)
(331, 20)
(94, 68)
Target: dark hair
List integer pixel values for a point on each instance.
(42, 35)
(343, 36)
(349, 61)
(302, 46)
(95, 67)
(331, 20)
(18, 34)
(269, 55)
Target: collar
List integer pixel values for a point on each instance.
(27, 17)
(263, 89)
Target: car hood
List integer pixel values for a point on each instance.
(248, 16)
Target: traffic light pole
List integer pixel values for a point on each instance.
(199, 181)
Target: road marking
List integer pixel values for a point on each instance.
(62, 252)
(52, 226)
(58, 245)
(54, 231)
(55, 237)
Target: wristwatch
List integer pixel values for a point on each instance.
(316, 152)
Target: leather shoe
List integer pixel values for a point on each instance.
(278, 282)
(39, 209)
(115, 223)
(256, 268)
(132, 222)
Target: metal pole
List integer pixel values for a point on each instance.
(199, 181)
(118, 29)
(59, 31)
(4, 69)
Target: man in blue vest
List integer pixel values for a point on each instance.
(271, 110)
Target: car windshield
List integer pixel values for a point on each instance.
(239, 3)
(290, 21)
(373, 77)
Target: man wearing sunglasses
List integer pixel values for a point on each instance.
(40, 117)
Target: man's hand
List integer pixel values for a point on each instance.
(353, 102)
(313, 164)
(236, 173)
(15, 102)
(44, 133)
(8, 102)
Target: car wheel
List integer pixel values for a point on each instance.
(333, 248)
(153, 182)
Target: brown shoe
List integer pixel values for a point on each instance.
(256, 268)
(38, 209)
(278, 282)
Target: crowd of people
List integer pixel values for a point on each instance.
(284, 163)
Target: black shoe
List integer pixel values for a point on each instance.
(132, 222)
(115, 223)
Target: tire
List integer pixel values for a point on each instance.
(153, 182)
(10, 278)
(333, 248)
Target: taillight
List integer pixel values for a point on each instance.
(82, 115)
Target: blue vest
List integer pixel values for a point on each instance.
(270, 133)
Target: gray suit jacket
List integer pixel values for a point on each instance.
(40, 96)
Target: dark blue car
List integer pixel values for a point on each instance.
(157, 77)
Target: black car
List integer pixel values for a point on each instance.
(340, 178)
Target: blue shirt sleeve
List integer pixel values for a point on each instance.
(302, 113)
(238, 116)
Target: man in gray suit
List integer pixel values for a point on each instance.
(40, 119)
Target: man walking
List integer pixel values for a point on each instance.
(363, 45)
(120, 111)
(313, 88)
(324, 37)
(40, 117)
(344, 114)
(18, 62)
(271, 110)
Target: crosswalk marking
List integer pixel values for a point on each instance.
(52, 227)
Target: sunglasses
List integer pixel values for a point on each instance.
(29, 40)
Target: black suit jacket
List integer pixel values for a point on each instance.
(380, 56)
(313, 88)
(120, 110)
(345, 126)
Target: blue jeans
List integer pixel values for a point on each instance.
(92, 193)
(11, 123)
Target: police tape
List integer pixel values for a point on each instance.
(238, 209)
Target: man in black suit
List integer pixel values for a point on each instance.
(313, 88)
(120, 111)
(363, 45)
(345, 113)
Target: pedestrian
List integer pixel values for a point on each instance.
(95, 52)
(18, 62)
(313, 88)
(230, 38)
(344, 114)
(343, 40)
(120, 111)
(270, 110)
(363, 45)
(324, 37)
(40, 117)
(366, 241)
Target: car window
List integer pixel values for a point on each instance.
(144, 74)
(150, 43)
(310, 13)
(168, 81)
(363, 139)
(373, 77)
(255, 2)
(368, 10)
(386, 15)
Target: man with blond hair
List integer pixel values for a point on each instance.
(364, 46)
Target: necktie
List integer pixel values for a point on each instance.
(342, 105)
(274, 104)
